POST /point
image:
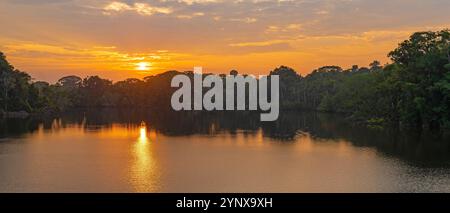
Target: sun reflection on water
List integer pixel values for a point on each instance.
(143, 133)
(144, 174)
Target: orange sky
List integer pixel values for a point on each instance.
(135, 38)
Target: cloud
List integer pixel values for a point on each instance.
(285, 28)
(257, 44)
(197, 14)
(262, 48)
(45, 55)
(140, 8)
(322, 12)
(191, 2)
(247, 20)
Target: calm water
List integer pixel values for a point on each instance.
(302, 152)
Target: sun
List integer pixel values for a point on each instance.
(143, 66)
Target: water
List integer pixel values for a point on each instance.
(302, 152)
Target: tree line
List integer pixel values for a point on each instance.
(413, 90)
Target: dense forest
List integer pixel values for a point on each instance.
(413, 90)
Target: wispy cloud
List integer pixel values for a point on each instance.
(247, 20)
(286, 28)
(140, 8)
(190, 16)
(257, 44)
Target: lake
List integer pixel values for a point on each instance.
(117, 151)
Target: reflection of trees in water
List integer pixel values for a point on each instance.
(10, 127)
(418, 147)
(415, 146)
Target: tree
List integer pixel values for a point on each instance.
(421, 44)
(422, 64)
(95, 91)
(130, 92)
(375, 66)
(6, 80)
(289, 88)
(71, 81)
(14, 86)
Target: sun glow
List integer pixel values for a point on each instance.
(143, 66)
(143, 133)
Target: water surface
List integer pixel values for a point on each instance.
(301, 152)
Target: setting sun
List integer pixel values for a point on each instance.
(143, 66)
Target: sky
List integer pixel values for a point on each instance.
(123, 39)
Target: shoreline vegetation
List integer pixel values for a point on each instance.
(412, 91)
